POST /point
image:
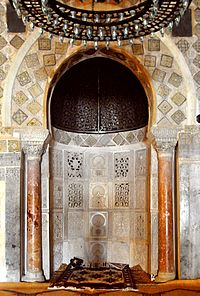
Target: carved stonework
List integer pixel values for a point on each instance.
(164, 139)
(33, 141)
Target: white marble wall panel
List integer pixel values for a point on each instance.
(154, 243)
(45, 245)
(98, 197)
(140, 193)
(118, 252)
(104, 202)
(75, 225)
(190, 220)
(140, 255)
(56, 163)
(2, 231)
(13, 223)
(121, 225)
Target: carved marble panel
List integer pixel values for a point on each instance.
(121, 225)
(99, 166)
(74, 162)
(97, 252)
(9, 159)
(75, 195)
(140, 251)
(98, 197)
(74, 248)
(118, 251)
(58, 226)
(45, 245)
(75, 225)
(122, 195)
(12, 217)
(57, 193)
(121, 162)
(57, 255)
(98, 224)
(140, 226)
(140, 193)
(56, 163)
(154, 242)
(140, 162)
(190, 220)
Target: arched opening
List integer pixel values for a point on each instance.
(99, 115)
(99, 95)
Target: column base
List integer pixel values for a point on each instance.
(165, 277)
(33, 277)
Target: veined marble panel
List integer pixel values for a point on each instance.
(190, 220)
(12, 217)
(2, 231)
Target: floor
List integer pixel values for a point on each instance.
(173, 288)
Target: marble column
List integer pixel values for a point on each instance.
(165, 141)
(33, 140)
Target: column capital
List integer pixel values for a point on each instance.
(32, 140)
(164, 138)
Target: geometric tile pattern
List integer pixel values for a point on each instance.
(163, 90)
(19, 117)
(196, 77)
(137, 49)
(3, 42)
(35, 90)
(158, 75)
(16, 41)
(166, 61)
(34, 107)
(24, 78)
(1, 92)
(20, 98)
(164, 107)
(34, 122)
(3, 59)
(196, 61)
(150, 61)
(32, 60)
(178, 117)
(49, 60)
(178, 99)
(153, 44)
(40, 74)
(183, 45)
(196, 46)
(175, 79)
(44, 44)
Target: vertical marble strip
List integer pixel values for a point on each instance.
(12, 227)
(34, 217)
(165, 216)
(166, 139)
(2, 232)
(45, 245)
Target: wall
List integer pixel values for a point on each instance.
(28, 63)
(100, 198)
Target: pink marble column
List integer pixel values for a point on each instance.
(33, 147)
(165, 142)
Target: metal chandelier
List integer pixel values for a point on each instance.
(83, 20)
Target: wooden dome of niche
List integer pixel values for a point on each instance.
(99, 95)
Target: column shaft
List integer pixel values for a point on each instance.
(34, 217)
(165, 218)
(165, 140)
(33, 140)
